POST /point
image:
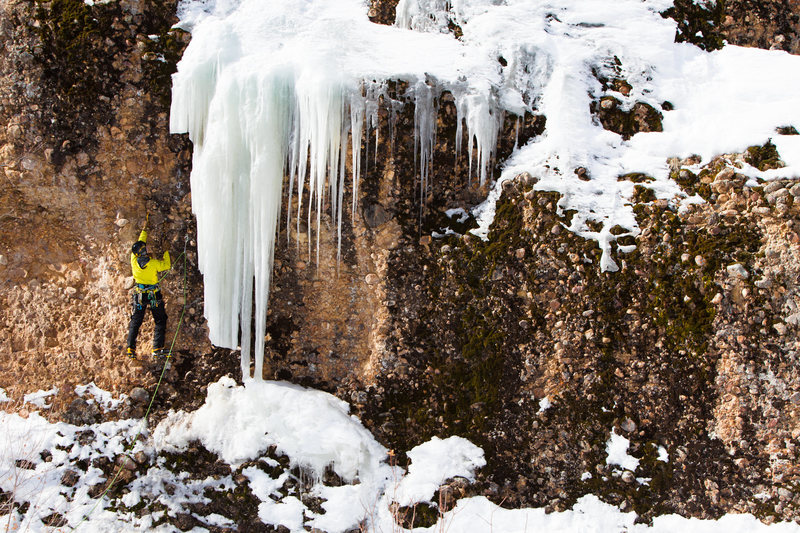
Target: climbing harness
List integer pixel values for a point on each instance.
(130, 446)
(144, 295)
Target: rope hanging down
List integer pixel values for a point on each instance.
(153, 397)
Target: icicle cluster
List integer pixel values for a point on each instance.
(258, 128)
(255, 122)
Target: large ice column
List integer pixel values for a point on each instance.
(236, 181)
(252, 124)
(238, 119)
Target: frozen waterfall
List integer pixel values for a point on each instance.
(274, 90)
(263, 102)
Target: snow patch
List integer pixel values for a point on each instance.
(435, 461)
(617, 450)
(544, 404)
(103, 398)
(39, 398)
(663, 455)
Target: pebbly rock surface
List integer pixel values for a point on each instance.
(690, 348)
(84, 155)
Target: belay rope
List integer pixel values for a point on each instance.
(153, 397)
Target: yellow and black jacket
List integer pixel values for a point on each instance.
(148, 274)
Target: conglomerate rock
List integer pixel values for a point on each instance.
(85, 154)
(690, 347)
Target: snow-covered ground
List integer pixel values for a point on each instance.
(270, 86)
(314, 429)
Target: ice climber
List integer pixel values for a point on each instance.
(147, 294)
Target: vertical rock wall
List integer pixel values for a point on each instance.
(84, 154)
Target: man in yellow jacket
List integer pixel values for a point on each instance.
(147, 294)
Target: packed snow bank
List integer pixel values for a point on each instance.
(589, 515)
(312, 427)
(273, 88)
(723, 102)
(103, 398)
(432, 463)
(37, 460)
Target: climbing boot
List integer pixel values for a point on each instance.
(131, 353)
(160, 352)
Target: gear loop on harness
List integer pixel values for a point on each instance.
(146, 295)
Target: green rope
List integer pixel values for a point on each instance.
(153, 397)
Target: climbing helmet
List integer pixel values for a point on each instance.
(138, 247)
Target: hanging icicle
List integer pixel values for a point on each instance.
(254, 119)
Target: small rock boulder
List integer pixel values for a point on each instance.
(737, 271)
(81, 413)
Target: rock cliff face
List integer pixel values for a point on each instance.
(692, 347)
(85, 153)
(773, 24)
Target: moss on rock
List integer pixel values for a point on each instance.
(77, 48)
(764, 157)
(699, 23)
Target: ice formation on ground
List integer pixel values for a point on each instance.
(268, 89)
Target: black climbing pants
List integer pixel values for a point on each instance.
(141, 301)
